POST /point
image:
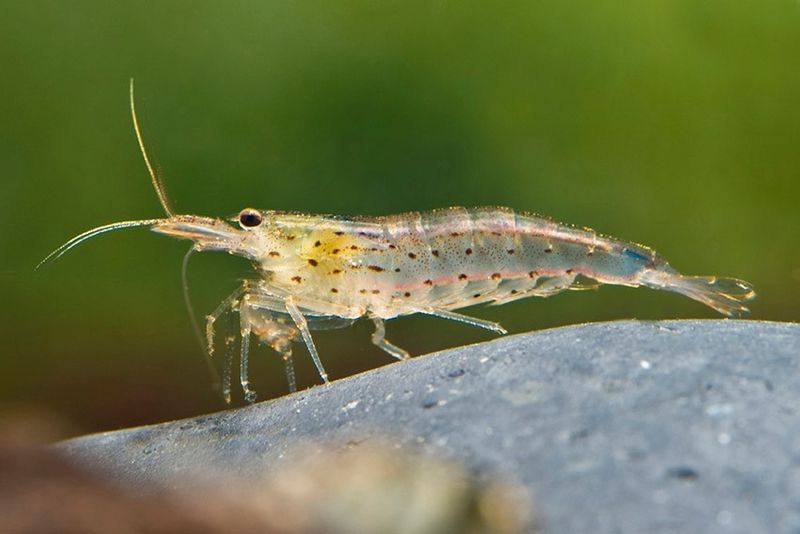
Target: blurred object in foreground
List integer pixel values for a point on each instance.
(366, 488)
(380, 488)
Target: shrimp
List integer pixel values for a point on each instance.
(316, 272)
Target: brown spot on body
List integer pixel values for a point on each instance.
(338, 232)
(570, 271)
(435, 253)
(362, 291)
(317, 243)
(353, 247)
(468, 251)
(548, 250)
(462, 276)
(428, 282)
(514, 291)
(274, 254)
(454, 234)
(590, 253)
(476, 295)
(392, 247)
(497, 233)
(297, 279)
(496, 276)
(290, 237)
(510, 251)
(412, 255)
(533, 274)
(397, 269)
(376, 268)
(406, 294)
(336, 271)
(313, 262)
(334, 290)
(376, 291)
(335, 251)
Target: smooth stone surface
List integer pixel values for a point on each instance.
(674, 426)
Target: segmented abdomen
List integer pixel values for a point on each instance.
(457, 257)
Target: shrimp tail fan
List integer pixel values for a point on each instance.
(726, 295)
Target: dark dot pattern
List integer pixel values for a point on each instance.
(448, 258)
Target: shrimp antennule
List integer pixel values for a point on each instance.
(80, 238)
(158, 185)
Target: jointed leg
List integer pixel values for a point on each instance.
(287, 361)
(453, 316)
(224, 306)
(227, 364)
(269, 321)
(379, 339)
(302, 325)
(255, 312)
(249, 394)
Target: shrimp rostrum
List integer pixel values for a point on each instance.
(322, 271)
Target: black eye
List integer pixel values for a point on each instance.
(250, 218)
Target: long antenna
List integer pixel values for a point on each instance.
(78, 239)
(187, 300)
(157, 185)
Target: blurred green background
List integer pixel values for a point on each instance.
(673, 123)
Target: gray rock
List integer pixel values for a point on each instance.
(675, 426)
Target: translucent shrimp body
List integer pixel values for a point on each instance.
(452, 258)
(320, 271)
(385, 267)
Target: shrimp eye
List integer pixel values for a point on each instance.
(250, 218)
